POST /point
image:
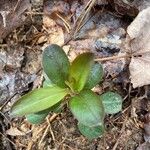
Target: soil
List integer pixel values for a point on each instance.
(21, 72)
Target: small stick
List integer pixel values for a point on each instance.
(34, 13)
(87, 9)
(112, 57)
(44, 134)
(3, 45)
(5, 103)
(67, 24)
(8, 139)
(30, 144)
(52, 133)
(121, 132)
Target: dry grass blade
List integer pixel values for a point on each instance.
(39, 130)
(8, 139)
(121, 132)
(83, 15)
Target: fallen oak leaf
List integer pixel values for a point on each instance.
(139, 37)
(12, 15)
(13, 131)
(140, 71)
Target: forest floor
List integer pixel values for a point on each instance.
(103, 27)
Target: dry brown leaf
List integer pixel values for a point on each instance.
(14, 132)
(139, 34)
(12, 15)
(55, 32)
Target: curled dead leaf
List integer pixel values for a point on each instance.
(14, 132)
(55, 32)
(139, 35)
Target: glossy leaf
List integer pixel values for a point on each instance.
(91, 132)
(56, 64)
(95, 76)
(38, 100)
(80, 70)
(38, 117)
(57, 108)
(87, 108)
(112, 102)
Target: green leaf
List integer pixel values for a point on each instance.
(112, 102)
(38, 117)
(91, 132)
(38, 100)
(80, 70)
(87, 108)
(56, 64)
(95, 76)
(47, 82)
(57, 108)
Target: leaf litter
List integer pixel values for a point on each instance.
(12, 15)
(103, 32)
(139, 35)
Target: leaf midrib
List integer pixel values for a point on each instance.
(83, 99)
(35, 102)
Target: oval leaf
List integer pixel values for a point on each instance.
(47, 82)
(87, 108)
(80, 70)
(57, 108)
(95, 76)
(38, 117)
(56, 64)
(38, 100)
(91, 132)
(112, 102)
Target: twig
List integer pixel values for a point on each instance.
(64, 138)
(122, 129)
(5, 117)
(8, 139)
(112, 57)
(65, 22)
(52, 134)
(4, 15)
(5, 103)
(35, 138)
(53, 117)
(34, 13)
(3, 45)
(29, 147)
(83, 15)
(68, 146)
(44, 134)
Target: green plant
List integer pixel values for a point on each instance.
(65, 83)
